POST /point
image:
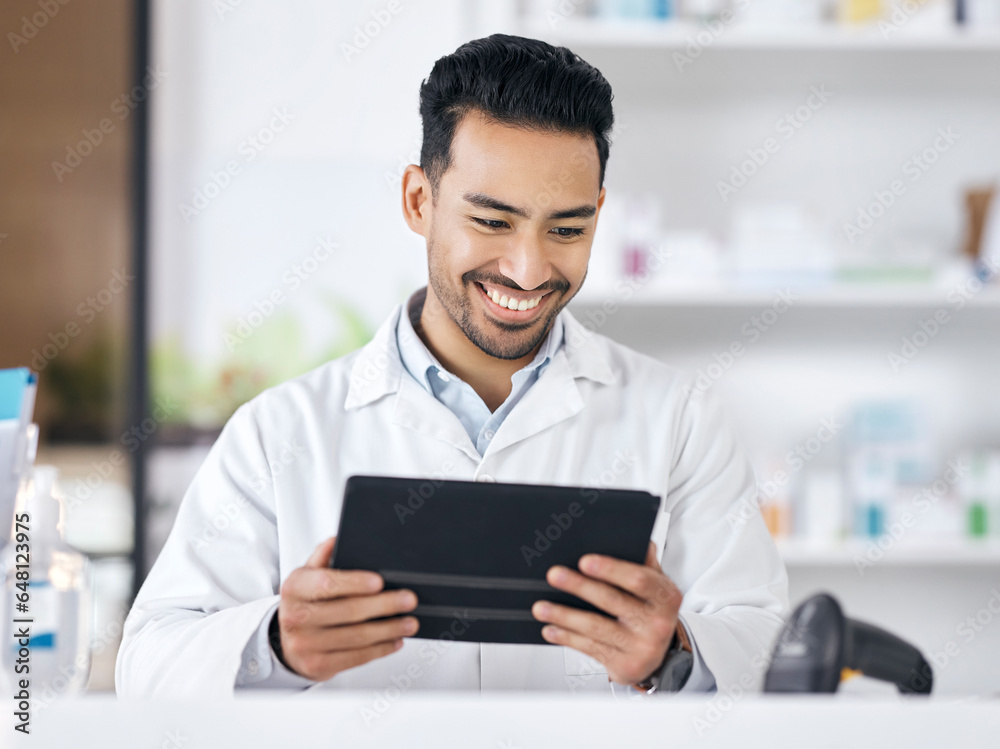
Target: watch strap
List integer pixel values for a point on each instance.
(673, 673)
(274, 638)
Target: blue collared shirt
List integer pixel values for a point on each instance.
(480, 423)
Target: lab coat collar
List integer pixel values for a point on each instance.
(378, 369)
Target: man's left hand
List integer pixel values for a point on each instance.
(642, 599)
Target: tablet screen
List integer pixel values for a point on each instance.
(476, 553)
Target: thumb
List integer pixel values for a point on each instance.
(321, 556)
(652, 556)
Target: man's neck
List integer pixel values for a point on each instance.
(487, 375)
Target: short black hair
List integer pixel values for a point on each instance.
(515, 81)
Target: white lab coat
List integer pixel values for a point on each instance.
(600, 414)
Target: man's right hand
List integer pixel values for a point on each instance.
(324, 614)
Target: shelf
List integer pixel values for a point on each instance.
(678, 35)
(853, 553)
(843, 295)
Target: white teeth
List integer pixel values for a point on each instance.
(511, 303)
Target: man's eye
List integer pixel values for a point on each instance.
(490, 223)
(570, 232)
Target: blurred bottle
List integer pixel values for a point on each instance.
(703, 10)
(979, 491)
(641, 234)
(978, 13)
(973, 493)
(889, 458)
(993, 492)
(774, 498)
(859, 11)
(819, 508)
(57, 580)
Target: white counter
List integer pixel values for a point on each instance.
(528, 721)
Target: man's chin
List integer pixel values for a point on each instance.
(508, 341)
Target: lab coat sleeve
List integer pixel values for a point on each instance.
(718, 549)
(701, 678)
(215, 581)
(260, 667)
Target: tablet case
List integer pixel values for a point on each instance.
(476, 554)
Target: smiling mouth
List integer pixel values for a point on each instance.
(505, 298)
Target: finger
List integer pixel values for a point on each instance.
(595, 626)
(596, 650)
(322, 666)
(606, 597)
(366, 634)
(356, 609)
(310, 584)
(641, 581)
(321, 554)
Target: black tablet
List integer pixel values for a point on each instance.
(476, 554)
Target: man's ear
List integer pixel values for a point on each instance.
(417, 203)
(600, 203)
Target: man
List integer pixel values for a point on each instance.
(481, 375)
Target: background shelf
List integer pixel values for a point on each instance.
(861, 295)
(678, 35)
(799, 553)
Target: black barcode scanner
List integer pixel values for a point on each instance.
(819, 647)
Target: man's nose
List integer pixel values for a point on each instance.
(525, 262)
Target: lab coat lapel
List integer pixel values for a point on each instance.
(417, 409)
(556, 397)
(553, 398)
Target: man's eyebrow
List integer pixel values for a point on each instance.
(485, 201)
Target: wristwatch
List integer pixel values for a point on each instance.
(673, 673)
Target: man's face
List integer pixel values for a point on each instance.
(512, 226)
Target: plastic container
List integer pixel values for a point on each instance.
(47, 591)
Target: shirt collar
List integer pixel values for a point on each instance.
(418, 360)
(377, 368)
